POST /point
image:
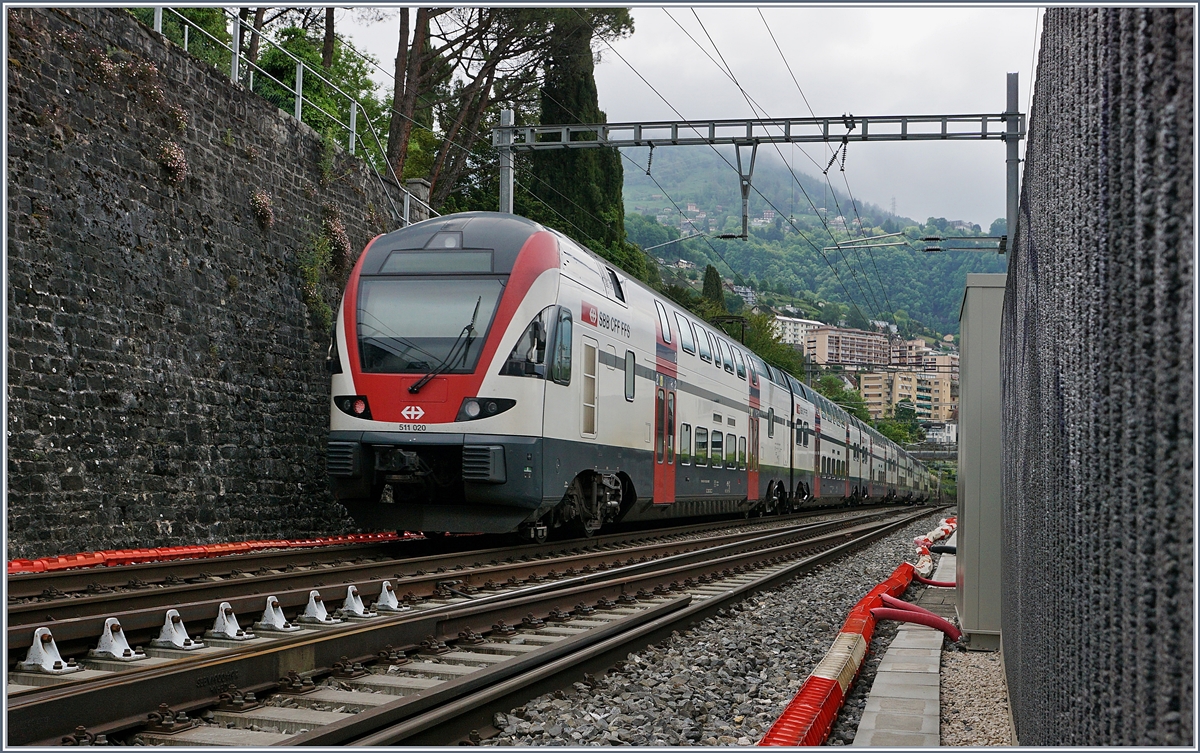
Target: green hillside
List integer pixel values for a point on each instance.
(784, 257)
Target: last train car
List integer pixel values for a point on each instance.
(491, 375)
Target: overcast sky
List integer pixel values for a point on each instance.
(865, 61)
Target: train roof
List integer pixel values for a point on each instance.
(502, 234)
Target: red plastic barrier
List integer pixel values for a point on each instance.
(26, 566)
(220, 550)
(191, 551)
(129, 556)
(117, 557)
(809, 717)
(811, 713)
(68, 561)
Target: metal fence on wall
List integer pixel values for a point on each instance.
(349, 119)
(1098, 407)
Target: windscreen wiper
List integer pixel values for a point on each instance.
(468, 332)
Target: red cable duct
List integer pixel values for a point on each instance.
(937, 583)
(910, 615)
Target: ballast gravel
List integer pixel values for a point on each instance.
(727, 679)
(974, 699)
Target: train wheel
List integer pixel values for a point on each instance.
(777, 502)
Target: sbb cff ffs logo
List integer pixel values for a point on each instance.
(591, 314)
(412, 412)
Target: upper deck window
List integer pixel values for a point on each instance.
(618, 291)
(685, 334)
(663, 322)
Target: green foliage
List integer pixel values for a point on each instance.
(762, 338)
(645, 231)
(792, 257)
(902, 426)
(202, 44)
(713, 291)
(313, 260)
(850, 401)
(327, 111)
(582, 188)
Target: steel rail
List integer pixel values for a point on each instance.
(445, 724)
(77, 621)
(132, 694)
(34, 585)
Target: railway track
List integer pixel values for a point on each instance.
(442, 664)
(79, 620)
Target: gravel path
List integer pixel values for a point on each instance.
(725, 680)
(974, 699)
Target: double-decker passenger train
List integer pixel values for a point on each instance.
(499, 377)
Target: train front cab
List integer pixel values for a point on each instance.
(428, 431)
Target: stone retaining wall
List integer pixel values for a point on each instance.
(166, 340)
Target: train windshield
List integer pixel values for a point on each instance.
(410, 326)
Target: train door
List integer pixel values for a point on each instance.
(665, 397)
(590, 389)
(665, 408)
(847, 465)
(563, 454)
(818, 461)
(752, 435)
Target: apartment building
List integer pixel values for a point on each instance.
(793, 331)
(909, 353)
(846, 347)
(747, 294)
(931, 394)
(942, 363)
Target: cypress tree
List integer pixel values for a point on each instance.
(714, 293)
(581, 185)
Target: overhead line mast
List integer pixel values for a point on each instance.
(1008, 126)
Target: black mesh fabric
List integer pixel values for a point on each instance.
(1097, 353)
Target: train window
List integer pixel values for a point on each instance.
(801, 435)
(671, 427)
(663, 322)
(742, 453)
(560, 369)
(730, 451)
(718, 449)
(770, 422)
(528, 356)
(660, 434)
(702, 344)
(726, 359)
(685, 335)
(588, 427)
(701, 446)
(630, 374)
(685, 444)
(712, 342)
(741, 365)
(617, 290)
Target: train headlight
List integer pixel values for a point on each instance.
(353, 405)
(483, 407)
